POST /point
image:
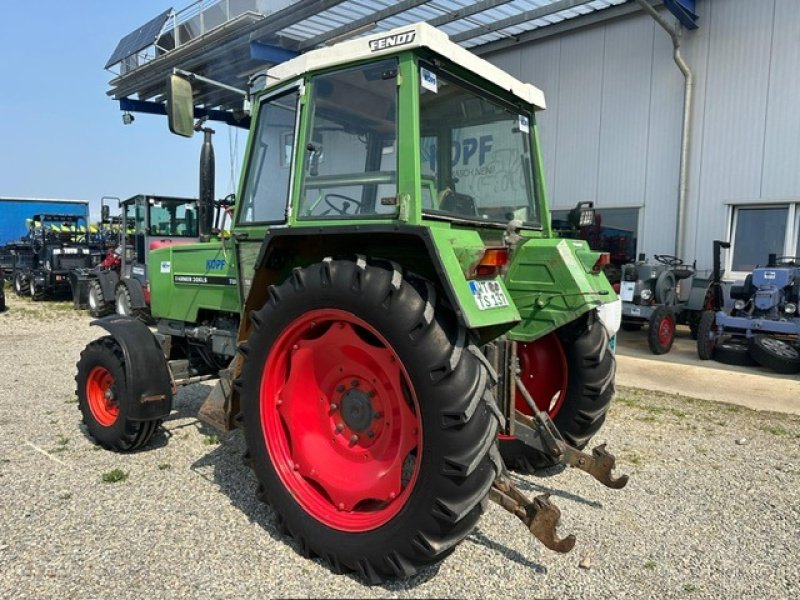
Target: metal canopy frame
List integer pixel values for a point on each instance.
(251, 41)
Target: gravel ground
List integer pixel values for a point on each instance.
(712, 509)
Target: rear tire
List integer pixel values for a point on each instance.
(379, 312)
(733, 351)
(661, 334)
(775, 354)
(98, 307)
(707, 335)
(591, 366)
(102, 400)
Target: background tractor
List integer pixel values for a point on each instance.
(55, 245)
(392, 298)
(120, 283)
(763, 325)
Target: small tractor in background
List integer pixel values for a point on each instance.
(386, 355)
(649, 294)
(120, 282)
(763, 326)
(55, 245)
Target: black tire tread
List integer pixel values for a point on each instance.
(103, 307)
(767, 359)
(467, 422)
(136, 433)
(590, 390)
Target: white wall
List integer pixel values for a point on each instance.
(612, 131)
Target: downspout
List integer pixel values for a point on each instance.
(675, 35)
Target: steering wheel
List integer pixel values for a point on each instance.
(346, 200)
(668, 259)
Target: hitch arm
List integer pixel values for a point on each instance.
(540, 433)
(539, 515)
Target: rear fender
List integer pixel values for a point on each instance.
(147, 376)
(440, 254)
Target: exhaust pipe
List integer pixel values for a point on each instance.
(207, 184)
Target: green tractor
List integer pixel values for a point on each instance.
(392, 320)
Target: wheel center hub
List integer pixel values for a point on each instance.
(357, 410)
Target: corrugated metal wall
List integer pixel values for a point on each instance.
(612, 132)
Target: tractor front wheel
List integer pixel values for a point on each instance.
(103, 400)
(662, 330)
(124, 305)
(98, 307)
(368, 417)
(570, 375)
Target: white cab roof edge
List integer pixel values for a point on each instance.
(418, 35)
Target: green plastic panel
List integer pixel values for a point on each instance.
(552, 283)
(188, 278)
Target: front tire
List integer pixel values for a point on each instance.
(98, 307)
(103, 401)
(661, 334)
(124, 305)
(352, 372)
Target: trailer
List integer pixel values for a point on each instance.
(14, 212)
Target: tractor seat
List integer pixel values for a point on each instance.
(156, 244)
(683, 272)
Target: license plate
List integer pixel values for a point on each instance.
(488, 294)
(626, 290)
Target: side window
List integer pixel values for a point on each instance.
(758, 232)
(351, 157)
(266, 188)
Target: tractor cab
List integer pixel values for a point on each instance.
(151, 222)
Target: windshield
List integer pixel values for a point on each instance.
(476, 153)
(174, 218)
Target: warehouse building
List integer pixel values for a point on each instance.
(614, 129)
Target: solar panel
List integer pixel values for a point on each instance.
(139, 39)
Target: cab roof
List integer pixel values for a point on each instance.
(394, 41)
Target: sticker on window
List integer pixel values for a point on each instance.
(524, 124)
(429, 80)
(166, 266)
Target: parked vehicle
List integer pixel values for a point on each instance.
(55, 245)
(120, 282)
(763, 326)
(366, 324)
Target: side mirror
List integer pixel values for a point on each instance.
(180, 106)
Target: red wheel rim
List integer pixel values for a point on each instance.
(544, 373)
(666, 331)
(341, 421)
(101, 396)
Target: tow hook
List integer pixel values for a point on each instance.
(540, 515)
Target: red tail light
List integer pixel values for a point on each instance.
(602, 261)
(492, 261)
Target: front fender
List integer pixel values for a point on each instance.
(147, 378)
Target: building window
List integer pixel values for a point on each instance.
(758, 231)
